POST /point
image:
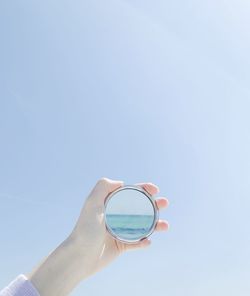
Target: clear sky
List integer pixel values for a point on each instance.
(137, 91)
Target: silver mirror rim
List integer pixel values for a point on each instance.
(152, 200)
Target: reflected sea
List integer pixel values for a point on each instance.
(130, 226)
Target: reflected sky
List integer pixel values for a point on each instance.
(129, 202)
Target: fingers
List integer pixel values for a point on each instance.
(162, 202)
(104, 186)
(153, 189)
(149, 187)
(162, 225)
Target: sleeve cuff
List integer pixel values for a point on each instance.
(20, 286)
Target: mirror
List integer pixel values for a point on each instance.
(131, 213)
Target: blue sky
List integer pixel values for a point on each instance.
(137, 91)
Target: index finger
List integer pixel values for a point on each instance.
(149, 187)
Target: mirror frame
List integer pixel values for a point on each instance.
(154, 205)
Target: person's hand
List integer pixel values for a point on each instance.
(89, 247)
(90, 230)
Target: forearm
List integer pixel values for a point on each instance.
(61, 271)
(88, 249)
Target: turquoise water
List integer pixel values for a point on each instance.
(130, 226)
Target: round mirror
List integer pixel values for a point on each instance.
(131, 213)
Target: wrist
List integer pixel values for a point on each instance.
(61, 270)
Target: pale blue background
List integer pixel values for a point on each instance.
(137, 91)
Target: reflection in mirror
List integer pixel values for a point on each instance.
(130, 214)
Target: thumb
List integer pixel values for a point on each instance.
(123, 247)
(103, 187)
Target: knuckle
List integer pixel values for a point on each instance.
(103, 180)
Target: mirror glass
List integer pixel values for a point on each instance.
(130, 214)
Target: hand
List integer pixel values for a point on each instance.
(90, 228)
(89, 247)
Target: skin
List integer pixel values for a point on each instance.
(89, 247)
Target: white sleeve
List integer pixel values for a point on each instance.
(20, 286)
